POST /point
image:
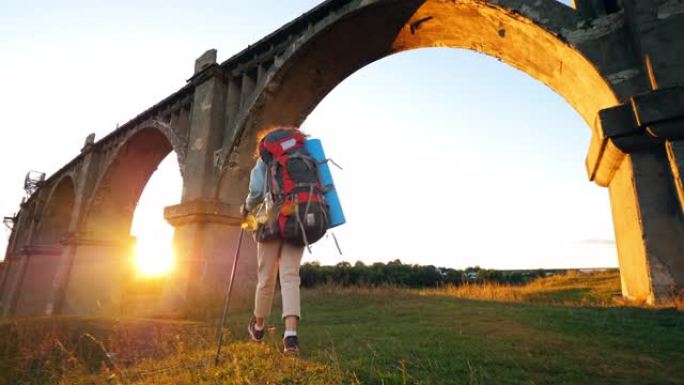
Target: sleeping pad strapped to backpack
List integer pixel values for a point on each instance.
(300, 214)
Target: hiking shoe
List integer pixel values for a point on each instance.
(291, 345)
(257, 335)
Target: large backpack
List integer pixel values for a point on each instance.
(299, 215)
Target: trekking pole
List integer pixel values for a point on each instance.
(219, 332)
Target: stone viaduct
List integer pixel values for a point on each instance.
(618, 63)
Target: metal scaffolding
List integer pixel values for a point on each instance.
(32, 181)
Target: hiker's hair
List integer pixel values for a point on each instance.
(262, 134)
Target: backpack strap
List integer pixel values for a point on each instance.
(308, 199)
(301, 227)
(273, 181)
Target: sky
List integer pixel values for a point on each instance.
(486, 165)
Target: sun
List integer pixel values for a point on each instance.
(153, 257)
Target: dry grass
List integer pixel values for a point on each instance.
(574, 288)
(571, 289)
(50, 351)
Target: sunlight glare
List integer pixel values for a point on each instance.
(154, 254)
(153, 257)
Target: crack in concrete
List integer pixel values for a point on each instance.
(670, 8)
(596, 28)
(621, 76)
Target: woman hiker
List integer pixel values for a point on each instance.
(276, 248)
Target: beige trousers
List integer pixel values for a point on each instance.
(271, 256)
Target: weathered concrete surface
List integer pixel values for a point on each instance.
(15, 272)
(648, 231)
(36, 284)
(207, 251)
(619, 64)
(105, 269)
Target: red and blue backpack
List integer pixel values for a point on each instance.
(300, 214)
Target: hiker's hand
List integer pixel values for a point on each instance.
(244, 211)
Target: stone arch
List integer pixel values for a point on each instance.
(111, 207)
(178, 144)
(58, 212)
(100, 258)
(594, 64)
(527, 36)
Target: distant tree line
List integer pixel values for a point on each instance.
(400, 274)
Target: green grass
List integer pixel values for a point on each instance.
(372, 336)
(439, 340)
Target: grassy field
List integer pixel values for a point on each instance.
(376, 336)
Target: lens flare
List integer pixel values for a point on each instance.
(153, 258)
